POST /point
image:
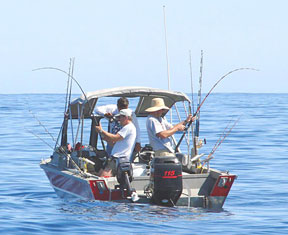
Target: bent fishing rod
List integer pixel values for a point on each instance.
(74, 79)
(200, 105)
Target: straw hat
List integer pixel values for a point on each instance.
(157, 104)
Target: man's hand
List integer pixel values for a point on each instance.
(137, 147)
(180, 127)
(98, 128)
(190, 118)
(108, 115)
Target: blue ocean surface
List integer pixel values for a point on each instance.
(256, 151)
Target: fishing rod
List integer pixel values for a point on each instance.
(68, 98)
(223, 137)
(223, 133)
(195, 133)
(60, 149)
(220, 140)
(37, 136)
(60, 70)
(197, 128)
(79, 123)
(191, 108)
(199, 107)
(69, 102)
(191, 81)
(74, 79)
(72, 73)
(227, 74)
(67, 90)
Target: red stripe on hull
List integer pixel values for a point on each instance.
(91, 190)
(223, 185)
(70, 184)
(102, 192)
(99, 189)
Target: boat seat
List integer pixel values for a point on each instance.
(139, 169)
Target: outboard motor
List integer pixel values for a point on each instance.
(124, 176)
(166, 180)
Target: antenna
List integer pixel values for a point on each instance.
(166, 44)
(167, 59)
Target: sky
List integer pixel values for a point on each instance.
(122, 43)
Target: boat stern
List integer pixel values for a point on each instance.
(220, 191)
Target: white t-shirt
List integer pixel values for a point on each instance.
(154, 126)
(112, 108)
(124, 147)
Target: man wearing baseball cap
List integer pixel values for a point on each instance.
(123, 141)
(112, 110)
(159, 130)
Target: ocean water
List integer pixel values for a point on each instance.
(256, 151)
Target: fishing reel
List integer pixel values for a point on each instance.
(200, 143)
(115, 118)
(112, 118)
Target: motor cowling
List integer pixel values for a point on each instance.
(124, 167)
(124, 175)
(166, 180)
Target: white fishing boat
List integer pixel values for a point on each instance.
(182, 179)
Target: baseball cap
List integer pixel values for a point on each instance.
(126, 112)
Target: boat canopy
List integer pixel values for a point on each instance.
(87, 102)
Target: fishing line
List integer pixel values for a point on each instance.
(31, 132)
(42, 125)
(220, 140)
(198, 109)
(223, 132)
(61, 150)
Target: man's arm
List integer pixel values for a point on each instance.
(178, 127)
(112, 138)
(171, 131)
(106, 109)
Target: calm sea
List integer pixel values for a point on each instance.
(256, 151)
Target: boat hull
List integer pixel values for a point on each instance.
(207, 190)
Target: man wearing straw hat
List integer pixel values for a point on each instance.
(159, 130)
